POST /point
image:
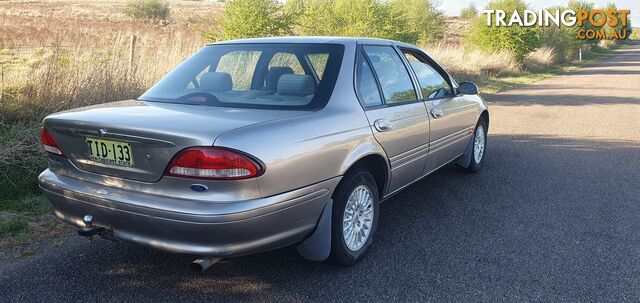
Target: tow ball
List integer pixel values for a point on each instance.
(89, 230)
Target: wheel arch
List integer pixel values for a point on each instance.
(376, 164)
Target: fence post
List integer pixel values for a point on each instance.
(580, 54)
(132, 49)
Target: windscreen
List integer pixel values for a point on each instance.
(267, 76)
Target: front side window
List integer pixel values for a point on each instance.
(269, 76)
(432, 84)
(393, 76)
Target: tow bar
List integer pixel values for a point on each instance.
(89, 230)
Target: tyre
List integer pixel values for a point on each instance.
(354, 218)
(478, 148)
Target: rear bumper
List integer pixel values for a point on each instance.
(220, 229)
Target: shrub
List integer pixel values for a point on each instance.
(425, 23)
(562, 39)
(313, 17)
(147, 9)
(361, 18)
(469, 13)
(250, 19)
(412, 21)
(517, 39)
(576, 5)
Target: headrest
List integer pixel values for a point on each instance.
(273, 75)
(216, 82)
(295, 85)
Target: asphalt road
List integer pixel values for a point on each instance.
(554, 216)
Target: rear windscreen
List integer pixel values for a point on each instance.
(278, 76)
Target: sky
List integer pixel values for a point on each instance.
(452, 7)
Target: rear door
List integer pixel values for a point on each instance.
(397, 117)
(453, 117)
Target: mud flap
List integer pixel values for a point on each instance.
(318, 246)
(465, 160)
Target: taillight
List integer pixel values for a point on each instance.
(49, 143)
(213, 163)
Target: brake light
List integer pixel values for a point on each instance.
(49, 143)
(213, 163)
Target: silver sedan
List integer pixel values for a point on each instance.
(252, 145)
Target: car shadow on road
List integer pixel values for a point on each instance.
(529, 225)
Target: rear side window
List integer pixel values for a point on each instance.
(393, 76)
(432, 84)
(366, 84)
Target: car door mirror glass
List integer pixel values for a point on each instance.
(467, 88)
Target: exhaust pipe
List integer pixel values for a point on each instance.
(200, 265)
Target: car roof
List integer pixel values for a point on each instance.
(316, 39)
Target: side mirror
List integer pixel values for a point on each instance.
(467, 88)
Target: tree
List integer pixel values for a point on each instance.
(562, 39)
(519, 40)
(577, 5)
(469, 13)
(250, 19)
(619, 29)
(423, 22)
(313, 17)
(412, 21)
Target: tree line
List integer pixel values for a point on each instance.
(413, 21)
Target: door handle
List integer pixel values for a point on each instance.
(382, 125)
(437, 113)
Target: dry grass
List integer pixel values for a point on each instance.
(73, 54)
(540, 59)
(63, 79)
(93, 24)
(473, 65)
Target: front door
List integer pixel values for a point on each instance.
(452, 117)
(397, 117)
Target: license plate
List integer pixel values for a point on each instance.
(110, 152)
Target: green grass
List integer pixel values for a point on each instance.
(30, 204)
(15, 213)
(12, 226)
